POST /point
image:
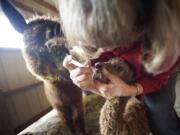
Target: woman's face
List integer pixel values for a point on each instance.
(92, 52)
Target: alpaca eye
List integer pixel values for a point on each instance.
(49, 34)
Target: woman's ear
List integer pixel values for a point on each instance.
(13, 15)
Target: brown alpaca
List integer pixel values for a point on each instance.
(44, 53)
(121, 115)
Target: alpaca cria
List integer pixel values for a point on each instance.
(121, 115)
(44, 52)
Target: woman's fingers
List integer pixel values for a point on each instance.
(88, 63)
(83, 84)
(83, 77)
(102, 88)
(81, 70)
(86, 84)
(113, 78)
(67, 63)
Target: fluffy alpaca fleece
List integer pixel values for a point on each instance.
(121, 115)
(44, 52)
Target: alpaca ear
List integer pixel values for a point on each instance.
(13, 15)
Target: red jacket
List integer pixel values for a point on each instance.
(133, 55)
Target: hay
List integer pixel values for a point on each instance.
(52, 125)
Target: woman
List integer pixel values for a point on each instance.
(144, 33)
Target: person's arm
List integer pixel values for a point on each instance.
(152, 83)
(117, 87)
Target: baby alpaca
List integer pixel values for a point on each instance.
(44, 53)
(121, 115)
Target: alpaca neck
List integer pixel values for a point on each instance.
(119, 104)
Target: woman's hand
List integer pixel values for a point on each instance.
(81, 76)
(117, 87)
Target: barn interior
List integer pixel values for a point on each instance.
(24, 108)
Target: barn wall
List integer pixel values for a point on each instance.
(23, 95)
(13, 71)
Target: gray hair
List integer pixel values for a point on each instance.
(114, 23)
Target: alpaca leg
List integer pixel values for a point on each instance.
(69, 121)
(80, 122)
(73, 118)
(69, 107)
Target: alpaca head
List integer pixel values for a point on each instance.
(115, 66)
(45, 49)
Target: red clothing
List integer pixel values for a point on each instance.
(133, 55)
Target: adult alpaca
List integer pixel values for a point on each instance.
(44, 52)
(44, 60)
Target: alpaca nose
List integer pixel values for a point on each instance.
(98, 65)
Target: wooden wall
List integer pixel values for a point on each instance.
(13, 71)
(23, 95)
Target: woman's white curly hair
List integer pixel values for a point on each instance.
(114, 23)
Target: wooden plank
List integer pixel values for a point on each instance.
(22, 107)
(25, 76)
(5, 123)
(33, 101)
(25, 106)
(47, 5)
(10, 70)
(29, 122)
(22, 6)
(2, 50)
(3, 79)
(44, 102)
(22, 89)
(12, 112)
(27, 15)
(13, 71)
